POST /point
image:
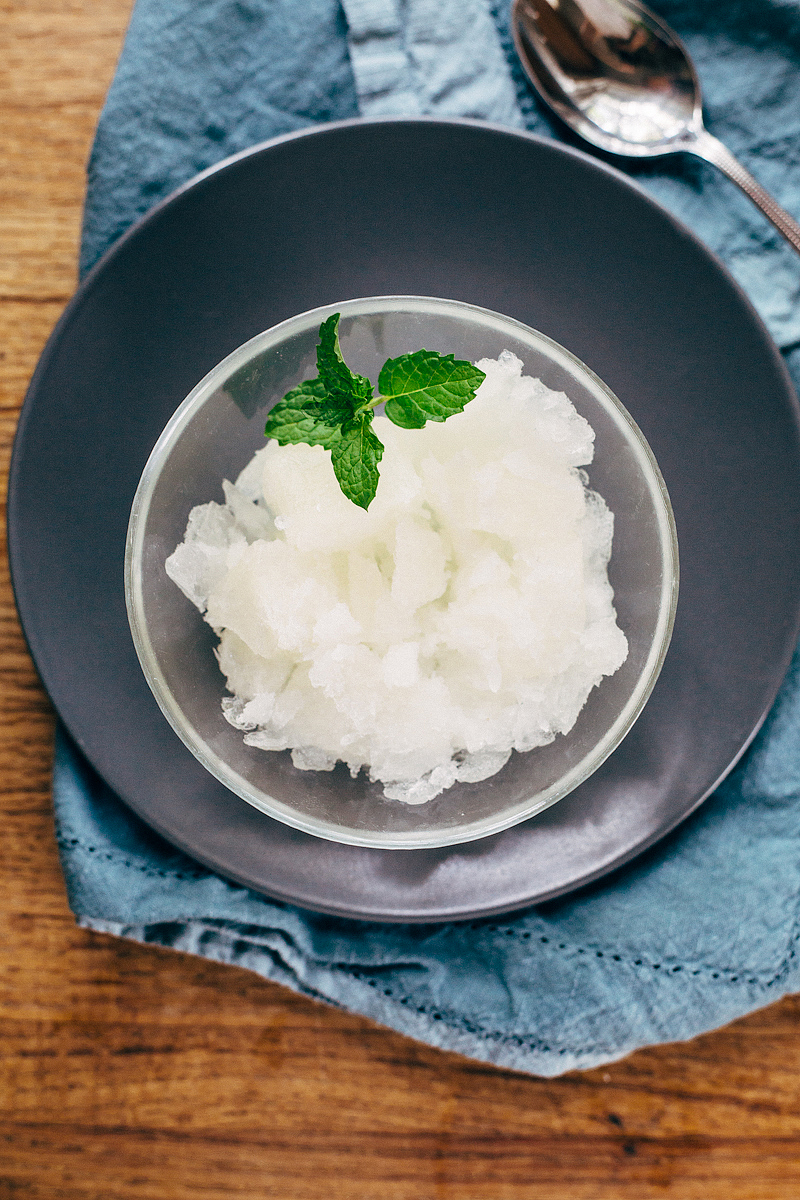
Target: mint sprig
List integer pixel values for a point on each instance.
(335, 410)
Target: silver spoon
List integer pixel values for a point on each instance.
(617, 75)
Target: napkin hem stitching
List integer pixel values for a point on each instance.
(72, 843)
(726, 974)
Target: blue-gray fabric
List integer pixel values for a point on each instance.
(704, 927)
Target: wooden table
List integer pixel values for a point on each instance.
(134, 1072)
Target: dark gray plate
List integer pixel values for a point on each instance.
(462, 210)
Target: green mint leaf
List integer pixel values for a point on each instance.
(304, 415)
(339, 380)
(355, 457)
(426, 386)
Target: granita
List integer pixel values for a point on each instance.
(467, 613)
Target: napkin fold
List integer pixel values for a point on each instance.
(704, 927)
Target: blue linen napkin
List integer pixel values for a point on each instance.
(703, 928)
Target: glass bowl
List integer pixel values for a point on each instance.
(213, 435)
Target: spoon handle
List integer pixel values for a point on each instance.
(712, 150)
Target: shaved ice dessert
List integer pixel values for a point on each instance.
(466, 614)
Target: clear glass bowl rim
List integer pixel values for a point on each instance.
(271, 806)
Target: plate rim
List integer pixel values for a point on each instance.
(98, 270)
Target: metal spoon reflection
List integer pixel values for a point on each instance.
(617, 75)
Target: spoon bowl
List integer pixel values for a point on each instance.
(621, 78)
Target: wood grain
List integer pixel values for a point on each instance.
(132, 1072)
